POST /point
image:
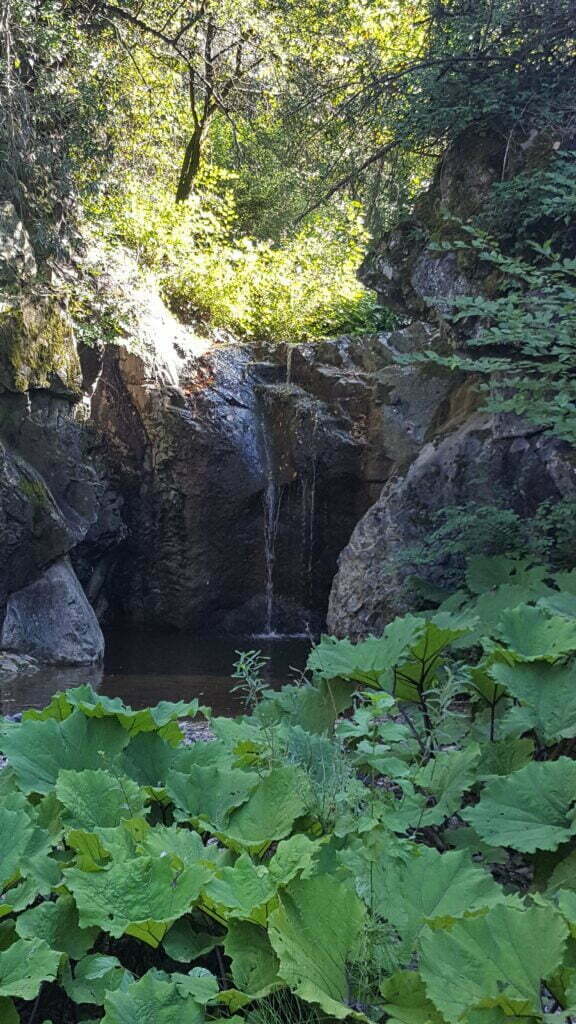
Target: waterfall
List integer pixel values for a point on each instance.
(311, 515)
(289, 351)
(307, 525)
(272, 503)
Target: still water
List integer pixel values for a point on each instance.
(145, 667)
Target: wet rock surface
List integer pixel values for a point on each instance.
(244, 469)
(178, 480)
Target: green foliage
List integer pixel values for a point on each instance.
(516, 324)
(457, 533)
(367, 861)
(530, 329)
(304, 287)
(497, 961)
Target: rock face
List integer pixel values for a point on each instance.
(37, 348)
(188, 482)
(488, 459)
(52, 494)
(470, 458)
(165, 479)
(52, 620)
(245, 468)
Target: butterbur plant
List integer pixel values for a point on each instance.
(407, 854)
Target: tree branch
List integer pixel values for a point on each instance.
(348, 178)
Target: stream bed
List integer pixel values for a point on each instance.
(144, 667)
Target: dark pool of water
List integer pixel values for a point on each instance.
(143, 667)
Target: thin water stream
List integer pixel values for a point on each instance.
(272, 506)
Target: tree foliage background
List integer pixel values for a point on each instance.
(281, 129)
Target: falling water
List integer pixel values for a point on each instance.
(311, 517)
(307, 527)
(289, 351)
(272, 503)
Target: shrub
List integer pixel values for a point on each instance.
(302, 288)
(457, 532)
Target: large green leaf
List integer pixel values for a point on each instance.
(430, 887)
(97, 798)
(533, 809)
(15, 835)
(271, 810)
(560, 604)
(502, 757)
(446, 777)
(254, 962)
(148, 759)
(370, 661)
(57, 924)
(183, 846)
(94, 976)
(152, 1000)
(549, 693)
(91, 854)
(293, 856)
(39, 750)
(531, 634)
(134, 895)
(163, 717)
(313, 708)
(489, 572)
(315, 933)
(406, 1001)
(25, 965)
(241, 889)
(419, 670)
(209, 795)
(184, 943)
(490, 607)
(497, 960)
(564, 874)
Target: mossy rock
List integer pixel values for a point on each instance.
(37, 347)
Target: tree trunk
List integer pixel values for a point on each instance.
(190, 165)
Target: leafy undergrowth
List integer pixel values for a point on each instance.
(394, 838)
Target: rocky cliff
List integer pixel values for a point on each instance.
(185, 481)
(470, 458)
(161, 477)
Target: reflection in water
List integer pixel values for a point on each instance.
(145, 667)
(35, 689)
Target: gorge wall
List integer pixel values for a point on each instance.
(182, 482)
(169, 479)
(471, 458)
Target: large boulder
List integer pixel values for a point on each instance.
(33, 529)
(52, 620)
(53, 491)
(37, 346)
(490, 460)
